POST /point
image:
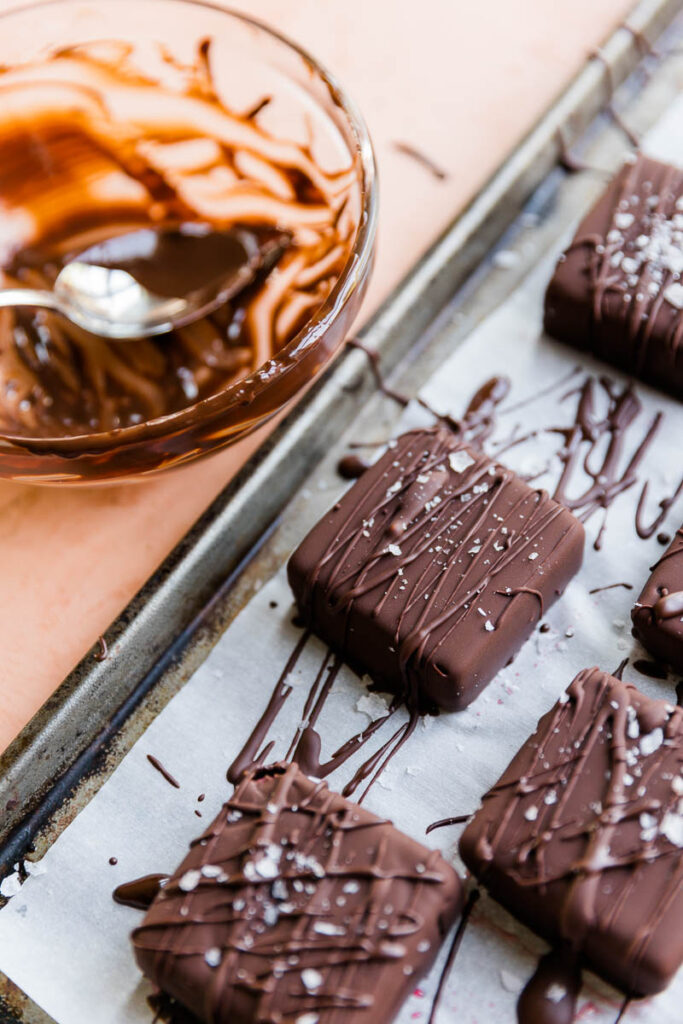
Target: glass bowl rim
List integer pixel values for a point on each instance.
(351, 276)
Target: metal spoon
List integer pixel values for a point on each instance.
(149, 281)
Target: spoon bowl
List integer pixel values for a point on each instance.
(149, 281)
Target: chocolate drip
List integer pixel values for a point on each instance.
(443, 822)
(611, 586)
(571, 163)
(587, 436)
(652, 669)
(102, 652)
(582, 442)
(156, 763)
(249, 754)
(169, 1010)
(645, 532)
(453, 952)
(380, 383)
(623, 1009)
(478, 421)
(375, 765)
(421, 158)
(550, 995)
(296, 902)
(139, 893)
(350, 467)
(619, 670)
(632, 137)
(643, 44)
(305, 747)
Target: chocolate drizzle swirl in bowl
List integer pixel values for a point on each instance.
(100, 139)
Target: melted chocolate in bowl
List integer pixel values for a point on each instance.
(104, 138)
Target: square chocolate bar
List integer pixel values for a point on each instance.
(582, 836)
(658, 613)
(434, 568)
(617, 291)
(297, 906)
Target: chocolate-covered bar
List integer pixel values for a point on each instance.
(617, 291)
(297, 907)
(434, 568)
(582, 836)
(658, 613)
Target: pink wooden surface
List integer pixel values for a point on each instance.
(461, 81)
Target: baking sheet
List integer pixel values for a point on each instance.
(66, 944)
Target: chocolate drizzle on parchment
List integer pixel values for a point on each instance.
(606, 432)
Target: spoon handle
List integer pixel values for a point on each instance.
(28, 297)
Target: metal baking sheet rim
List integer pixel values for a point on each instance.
(90, 705)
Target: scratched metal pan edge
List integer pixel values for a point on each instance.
(84, 705)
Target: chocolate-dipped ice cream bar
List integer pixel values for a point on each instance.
(297, 906)
(582, 836)
(617, 291)
(658, 613)
(434, 568)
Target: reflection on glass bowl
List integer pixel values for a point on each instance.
(127, 115)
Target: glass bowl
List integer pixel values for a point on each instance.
(305, 105)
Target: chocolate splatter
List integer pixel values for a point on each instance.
(651, 669)
(421, 158)
(443, 822)
(630, 134)
(611, 586)
(350, 467)
(156, 763)
(102, 652)
(139, 893)
(249, 754)
(550, 995)
(645, 532)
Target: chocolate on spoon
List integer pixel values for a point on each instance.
(151, 280)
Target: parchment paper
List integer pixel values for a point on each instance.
(65, 942)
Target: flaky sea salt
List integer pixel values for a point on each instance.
(460, 461)
(10, 885)
(190, 880)
(651, 742)
(311, 978)
(672, 827)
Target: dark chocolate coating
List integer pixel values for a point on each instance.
(434, 568)
(658, 613)
(616, 291)
(297, 906)
(582, 836)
